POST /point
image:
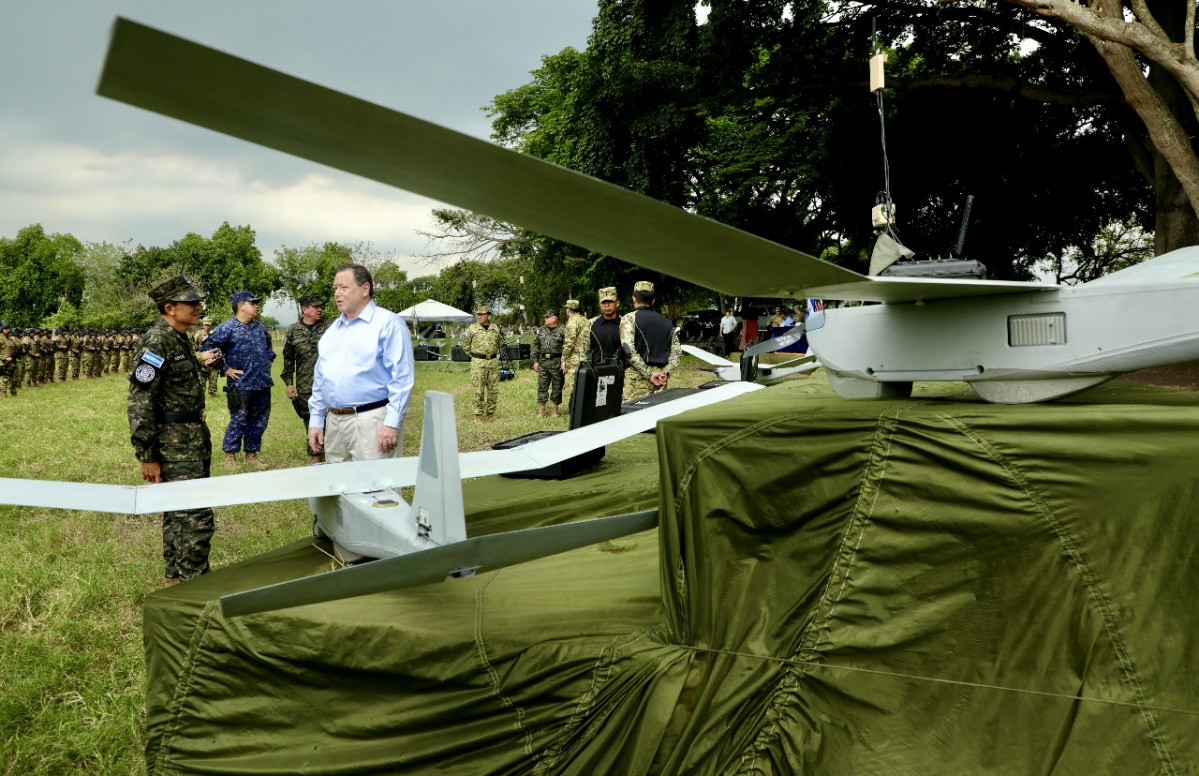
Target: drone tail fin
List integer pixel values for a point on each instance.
(437, 500)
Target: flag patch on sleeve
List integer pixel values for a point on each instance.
(152, 358)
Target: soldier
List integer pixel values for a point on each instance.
(125, 343)
(246, 346)
(74, 353)
(61, 341)
(650, 345)
(482, 342)
(8, 357)
(29, 356)
(574, 344)
(299, 358)
(604, 331)
(166, 422)
(210, 374)
(547, 363)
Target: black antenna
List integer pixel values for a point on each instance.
(961, 243)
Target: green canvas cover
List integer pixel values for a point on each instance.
(925, 586)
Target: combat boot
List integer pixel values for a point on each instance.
(541, 409)
(314, 459)
(491, 418)
(230, 461)
(557, 413)
(252, 460)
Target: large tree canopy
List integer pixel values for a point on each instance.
(760, 116)
(38, 275)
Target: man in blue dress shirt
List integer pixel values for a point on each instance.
(363, 377)
(246, 347)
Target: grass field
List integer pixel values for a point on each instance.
(72, 674)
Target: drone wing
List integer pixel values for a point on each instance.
(338, 478)
(185, 80)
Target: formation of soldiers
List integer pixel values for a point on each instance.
(34, 357)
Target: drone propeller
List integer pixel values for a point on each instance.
(460, 559)
(185, 80)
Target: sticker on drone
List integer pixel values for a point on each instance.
(145, 373)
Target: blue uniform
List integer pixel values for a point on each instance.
(245, 346)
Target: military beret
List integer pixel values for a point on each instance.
(177, 289)
(312, 300)
(572, 304)
(643, 285)
(481, 309)
(608, 294)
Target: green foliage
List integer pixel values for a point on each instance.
(227, 262)
(38, 274)
(391, 289)
(310, 270)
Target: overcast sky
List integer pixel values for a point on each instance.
(103, 171)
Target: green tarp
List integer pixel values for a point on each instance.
(838, 587)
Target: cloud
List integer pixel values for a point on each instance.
(156, 198)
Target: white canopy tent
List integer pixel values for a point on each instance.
(430, 310)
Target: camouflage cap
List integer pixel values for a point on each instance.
(643, 285)
(177, 289)
(608, 294)
(205, 321)
(572, 304)
(483, 309)
(312, 300)
(550, 314)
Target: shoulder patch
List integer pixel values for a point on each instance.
(152, 358)
(145, 373)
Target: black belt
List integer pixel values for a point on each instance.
(360, 408)
(182, 417)
(551, 355)
(485, 358)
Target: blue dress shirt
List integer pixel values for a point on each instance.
(363, 360)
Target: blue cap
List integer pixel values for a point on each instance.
(242, 296)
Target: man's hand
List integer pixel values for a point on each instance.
(659, 379)
(536, 366)
(152, 471)
(316, 438)
(388, 438)
(291, 392)
(234, 374)
(208, 357)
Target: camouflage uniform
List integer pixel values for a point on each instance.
(61, 341)
(574, 344)
(29, 354)
(211, 376)
(74, 351)
(299, 362)
(8, 353)
(650, 344)
(245, 346)
(547, 354)
(166, 425)
(125, 345)
(483, 345)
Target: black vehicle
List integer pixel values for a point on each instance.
(699, 326)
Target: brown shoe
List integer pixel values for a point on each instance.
(230, 461)
(478, 420)
(170, 581)
(252, 460)
(557, 414)
(314, 459)
(541, 409)
(491, 418)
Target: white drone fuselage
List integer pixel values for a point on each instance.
(1021, 347)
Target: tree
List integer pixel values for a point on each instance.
(390, 289)
(38, 275)
(227, 262)
(760, 117)
(310, 270)
(1150, 50)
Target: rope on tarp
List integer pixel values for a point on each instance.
(808, 664)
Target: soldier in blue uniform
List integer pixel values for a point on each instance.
(246, 346)
(166, 422)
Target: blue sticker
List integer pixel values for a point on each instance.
(152, 358)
